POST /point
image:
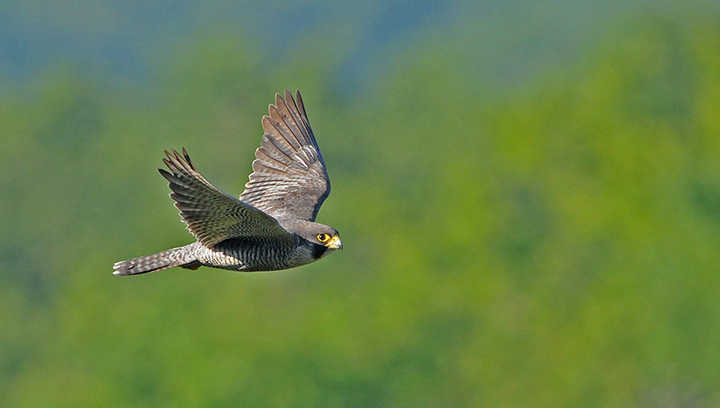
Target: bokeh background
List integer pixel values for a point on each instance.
(528, 194)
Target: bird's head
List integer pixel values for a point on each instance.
(319, 238)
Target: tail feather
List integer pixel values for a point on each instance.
(182, 256)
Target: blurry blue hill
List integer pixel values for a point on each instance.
(509, 39)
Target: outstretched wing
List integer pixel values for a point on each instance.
(289, 178)
(210, 214)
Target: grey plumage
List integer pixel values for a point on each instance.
(289, 178)
(271, 226)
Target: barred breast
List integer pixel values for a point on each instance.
(247, 254)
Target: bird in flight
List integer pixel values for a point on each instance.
(272, 225)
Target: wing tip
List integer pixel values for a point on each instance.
(176, 161)
(287, 99)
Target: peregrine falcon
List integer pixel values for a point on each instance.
(272, 225)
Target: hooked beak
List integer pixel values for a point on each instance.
(334, 243)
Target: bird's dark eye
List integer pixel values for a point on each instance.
(323, 237)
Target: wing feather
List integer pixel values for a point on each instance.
(289, 176)
(210, 214)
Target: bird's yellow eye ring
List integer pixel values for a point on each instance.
(323, 237)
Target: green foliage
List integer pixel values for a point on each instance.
(557, 246)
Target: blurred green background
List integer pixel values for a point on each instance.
(528, 194)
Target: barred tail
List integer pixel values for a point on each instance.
(182, 256)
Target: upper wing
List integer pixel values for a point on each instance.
(289, 178)
(210, 214)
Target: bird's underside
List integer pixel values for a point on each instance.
(234, 254)
(271, 226)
